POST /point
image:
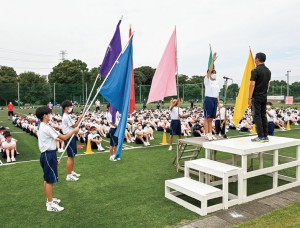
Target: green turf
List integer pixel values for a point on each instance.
(128, 193)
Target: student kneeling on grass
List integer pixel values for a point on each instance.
(47, 137)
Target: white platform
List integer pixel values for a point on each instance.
(244, 147)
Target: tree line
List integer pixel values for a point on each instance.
(70, 77)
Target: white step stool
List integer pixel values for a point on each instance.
(196, 190)
(220, 170)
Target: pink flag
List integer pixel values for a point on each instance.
(164, 80)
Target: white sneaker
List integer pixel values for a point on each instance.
(75, 174)
(101, 148)
(54, 207)
(8, 160)
(132, 140)
(170, 147)
(112, 158)
(54, 200)
(71, 178)
(13, 159)
(148, 143)
(145, 144)
(128, 141)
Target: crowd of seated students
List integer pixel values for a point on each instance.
(141, 126)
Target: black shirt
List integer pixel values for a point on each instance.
(261, 75)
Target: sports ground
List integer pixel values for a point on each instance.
(127, 193)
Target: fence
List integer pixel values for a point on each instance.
(38, 94)
(42, 93)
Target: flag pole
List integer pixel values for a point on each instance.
(176, 65)
(98, 90)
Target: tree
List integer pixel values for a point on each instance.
(196, 79)
(182, 79)
(295, 89)
(8, 85)
(139, 77)
(8, 75)
(68, 72)
(34, 89)
(148, 73)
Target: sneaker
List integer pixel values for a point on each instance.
(145, 143)
(258, 139)
(100, 148)
(54, 200)
(71, 178)
(225, 137)
(170, 147)
(132, 140)
(75, 174)
(128, 141)
(112, 158)
(17, 153)
(13, 159)
(8, 160)
(148, 143)
(54, 207)
(266, 139)
(214, 137)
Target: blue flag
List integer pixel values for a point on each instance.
(112, 53)
(116, 90)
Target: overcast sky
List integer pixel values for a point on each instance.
(33, 32)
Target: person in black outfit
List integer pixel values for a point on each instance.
(259, 87)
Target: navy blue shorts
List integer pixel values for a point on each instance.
(113, 139)
(210, 107)
(72, 148)
(175, 128)
(271, 127)
(48, 161)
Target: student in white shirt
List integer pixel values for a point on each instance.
(68, 124)
(47, 137)
(211, 99)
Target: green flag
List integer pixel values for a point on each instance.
(210, 58)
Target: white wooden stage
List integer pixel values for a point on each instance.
(241, 149)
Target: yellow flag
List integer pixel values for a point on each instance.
(241, 103)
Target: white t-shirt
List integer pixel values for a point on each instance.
(46, 137)
(174, 113)
(67, 123)
(109, 119)
(212, 88)
(271, 118)
(93, 136)
(222, 113)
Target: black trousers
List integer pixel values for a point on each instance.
(260, 116)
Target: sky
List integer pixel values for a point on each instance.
(33, 32)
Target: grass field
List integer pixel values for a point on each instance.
(127, 193)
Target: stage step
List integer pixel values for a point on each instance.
(194, 189)
(218, 169)
(212, 167)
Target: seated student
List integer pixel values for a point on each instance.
(128, 135)
(9, 146)
(141, 137)
(148, 129)
(95, 139)
(197, 129)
